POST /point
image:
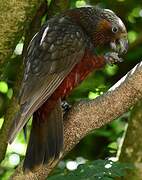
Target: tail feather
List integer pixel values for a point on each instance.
(46, 138)
(20, 120)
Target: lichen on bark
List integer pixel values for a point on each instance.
(131, 151)
(15, 19)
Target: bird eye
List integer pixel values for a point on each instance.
(114, 29)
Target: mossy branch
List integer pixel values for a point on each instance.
(131, 151)
(14, 21)
(15, 17)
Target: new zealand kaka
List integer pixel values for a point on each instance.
(58, 58)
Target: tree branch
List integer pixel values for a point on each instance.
(18, 21)
(86, 116)
(131, 151)
(12, 22)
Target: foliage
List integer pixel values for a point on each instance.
(96, 170)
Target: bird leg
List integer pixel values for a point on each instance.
(65, 106)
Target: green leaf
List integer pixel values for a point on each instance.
(97, 170)
(3, 87)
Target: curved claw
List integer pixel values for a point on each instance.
(112, 58)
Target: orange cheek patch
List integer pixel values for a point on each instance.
(104, 26)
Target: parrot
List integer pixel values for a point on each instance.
(58, 58)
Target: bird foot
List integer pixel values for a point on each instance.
(65, 106)
(112, 58)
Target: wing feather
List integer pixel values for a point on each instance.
(51, 55)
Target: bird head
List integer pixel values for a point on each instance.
(111, 30)
(102, 26)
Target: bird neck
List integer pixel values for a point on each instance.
(87, 18)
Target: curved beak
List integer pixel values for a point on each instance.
(120, 45)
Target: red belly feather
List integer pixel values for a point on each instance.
(75, 77)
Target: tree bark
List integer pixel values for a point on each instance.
(86, 116)
(15, 19)
(131, 151)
